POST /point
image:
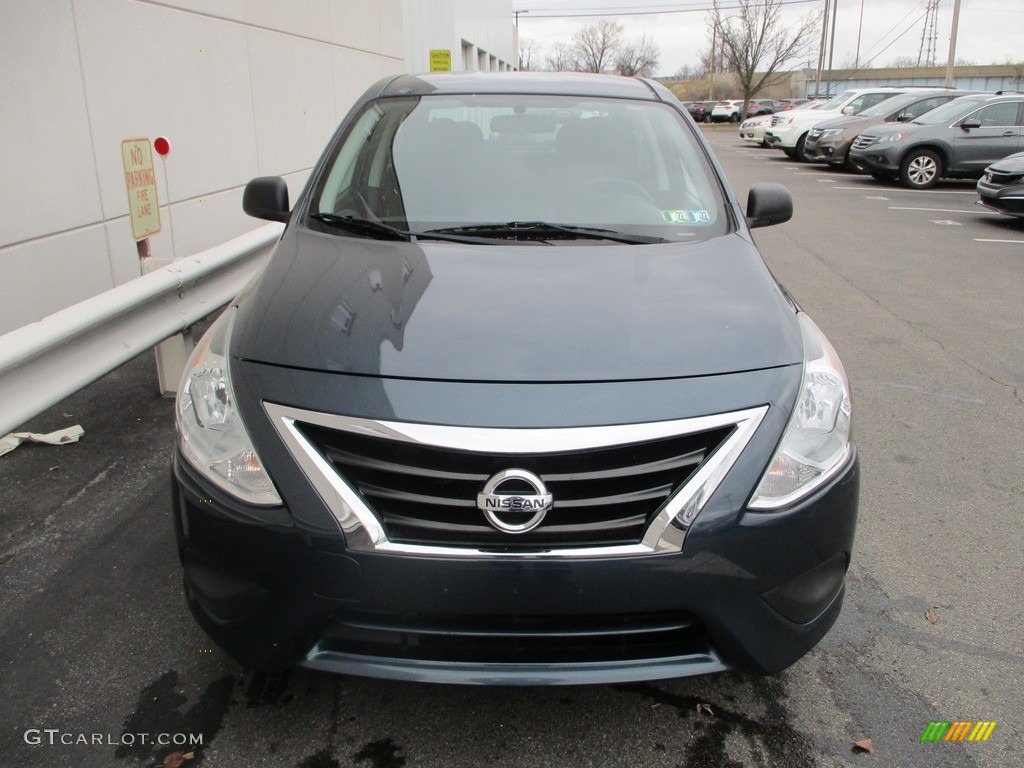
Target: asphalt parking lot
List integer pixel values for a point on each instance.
(921, 294)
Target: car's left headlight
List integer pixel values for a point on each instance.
(816, 442)
(211, 435)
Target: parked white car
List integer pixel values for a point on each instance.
(753, 129)
(726, 112)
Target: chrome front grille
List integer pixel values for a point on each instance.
(427, 495)
(863, 141)
(628, 489)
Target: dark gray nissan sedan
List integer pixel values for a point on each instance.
(516, 401)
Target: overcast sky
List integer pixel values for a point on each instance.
(990, 31)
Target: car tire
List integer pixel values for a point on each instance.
(880, 177)
(734, 117)
(790, 152)
(921, 169)
(798, 150)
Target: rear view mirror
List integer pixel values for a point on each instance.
(266, 197)
(768, 204)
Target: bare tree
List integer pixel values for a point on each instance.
(561, 59)
(755, 42)
(638, 57)
(705, 64)
(529, 49)
(595, 46)
(689, 72)
(903, 62)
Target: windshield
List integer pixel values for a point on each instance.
(839, 101)
(889, 106)
(949, 112)
(437, 162)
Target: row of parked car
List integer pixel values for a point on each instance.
(731, 110)
(916, 136)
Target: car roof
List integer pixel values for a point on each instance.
(560, 83)
(986, 98)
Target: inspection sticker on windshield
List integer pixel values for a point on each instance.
(687, 217)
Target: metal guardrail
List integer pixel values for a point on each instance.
(44, 362)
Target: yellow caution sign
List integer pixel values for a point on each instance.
(440, 60)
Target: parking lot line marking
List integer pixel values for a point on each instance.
(871, 197)
(938, 210)
(915, 191)
(993, 240)
(936, 191)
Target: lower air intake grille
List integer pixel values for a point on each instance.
(523, 640)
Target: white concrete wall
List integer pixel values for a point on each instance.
(242, 88)
(484, 27)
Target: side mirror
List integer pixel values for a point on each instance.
(768, 204)
(266, 197)
(903, 117)
(972, 123)
(849, 111)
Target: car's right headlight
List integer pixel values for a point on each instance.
(211, 435)
(816, 442)
(827, 132)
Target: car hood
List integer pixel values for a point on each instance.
(1009, 164)
(887, 129)
(850, 121)
(577, 311)
(811, 115)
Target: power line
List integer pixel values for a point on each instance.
(701, 8)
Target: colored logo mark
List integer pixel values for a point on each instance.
(959, 730)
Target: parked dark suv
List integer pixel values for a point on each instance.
(956, 140)
(516, 400)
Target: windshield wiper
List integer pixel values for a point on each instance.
(545, 230)
(382, 231)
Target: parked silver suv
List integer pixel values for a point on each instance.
(956, 140)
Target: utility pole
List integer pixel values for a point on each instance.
(831, 46)
(821, 50)
(952, 44)
(860, 28)
(714, 35)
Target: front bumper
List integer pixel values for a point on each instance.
(749, 590)
(880, 162)
(780, 137)
(1002, 198)
(826, 151)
